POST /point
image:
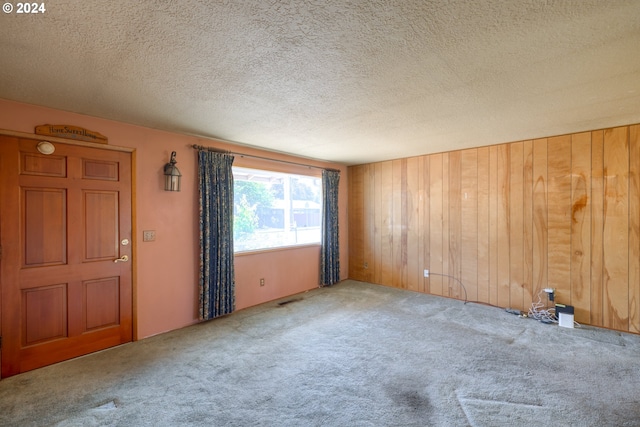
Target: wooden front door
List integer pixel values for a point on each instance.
(64, 219)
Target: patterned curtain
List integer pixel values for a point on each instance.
(330, 258)
(217, 281)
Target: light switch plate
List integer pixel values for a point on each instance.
(148, 235)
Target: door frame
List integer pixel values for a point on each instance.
(134, 246)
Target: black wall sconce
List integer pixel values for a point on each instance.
(172, 175)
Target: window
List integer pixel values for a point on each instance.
(273, 209)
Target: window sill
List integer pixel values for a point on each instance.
(280, 248)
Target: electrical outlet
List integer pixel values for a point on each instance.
(261, 282)
(148, 235)
(366, 265)
(550, 293)
(426, 273)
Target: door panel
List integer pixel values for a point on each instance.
(40, 165)
(100, 234)
(102, 303)
(94, 169)
(44, 226)
(44, 314)
(62, 220)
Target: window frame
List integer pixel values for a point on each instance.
(294, 172)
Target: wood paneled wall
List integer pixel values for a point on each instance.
(507, 221)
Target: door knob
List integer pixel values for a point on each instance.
(123, 258)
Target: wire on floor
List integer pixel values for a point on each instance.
(541, 312)
(454, 278)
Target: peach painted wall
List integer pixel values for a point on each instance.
(166, 270)
(279, 281)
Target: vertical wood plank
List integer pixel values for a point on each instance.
(597, 228)
(413, 229)
(435, 223)
(634, 228)
(483, 225)
(516, 226)
(616, 228)
(378, 224)
(502, 218)
(455, 223)
(356, 222)
(369, 222)
(398, 222)
(540, 223)
(527, 216)
(386, 221)
(425, 222)
(581, 225)
(493, 225)
(469, 223)
(446, 282)
(559, 216)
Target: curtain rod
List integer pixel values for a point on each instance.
(218, 150)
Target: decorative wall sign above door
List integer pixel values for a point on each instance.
(71, 132)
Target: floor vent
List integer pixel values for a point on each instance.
(289, 301)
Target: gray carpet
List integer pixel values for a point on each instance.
(354, 354)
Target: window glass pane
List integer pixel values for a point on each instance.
(273, 209)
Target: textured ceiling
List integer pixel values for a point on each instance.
(347, 81)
